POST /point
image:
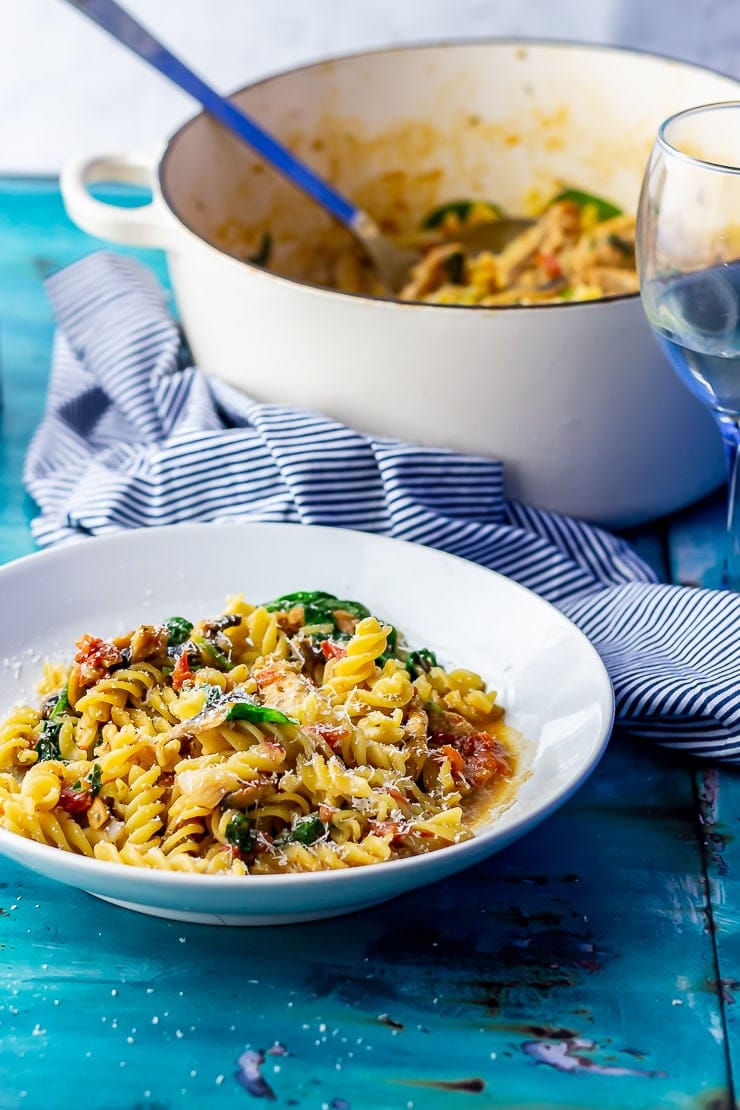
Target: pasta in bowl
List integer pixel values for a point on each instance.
(299, 735)
(548, 679)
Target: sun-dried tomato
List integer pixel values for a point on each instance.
(457, 764)
(484, 758)
(182, 673)
(266, 676)
(94, 659)
(332, 734)
(550, 264)
(397, 830)
(75, 801)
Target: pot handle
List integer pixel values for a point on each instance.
(144, 226)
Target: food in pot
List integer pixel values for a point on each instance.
(581, 248)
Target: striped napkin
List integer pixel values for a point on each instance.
(135, 435)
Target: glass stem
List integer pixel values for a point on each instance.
(731, 567)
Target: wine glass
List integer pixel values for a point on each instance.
(688, 258)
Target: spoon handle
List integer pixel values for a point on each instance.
(122, 26)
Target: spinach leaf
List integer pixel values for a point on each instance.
(244, 709)
(319, 607)
(47, 746)
(301, 597)
(178, 630)
(604, 209)
(322, 611)
(95, 779)
(420, 662)
(307, 830)
(211, 651)
(354, 608)
(61, 704)
(460, 208)
(239, 833)
(251, 711)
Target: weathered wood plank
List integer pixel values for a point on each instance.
(696, 544)
(573, 970)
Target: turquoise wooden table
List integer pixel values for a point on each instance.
(594, 964)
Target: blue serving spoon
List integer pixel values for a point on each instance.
(391, 262)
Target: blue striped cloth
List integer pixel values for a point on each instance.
(134, 435)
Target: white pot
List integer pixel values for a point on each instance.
(576, 399)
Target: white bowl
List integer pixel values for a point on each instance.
(548, 676)
(576, 399)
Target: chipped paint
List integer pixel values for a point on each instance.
(716, 1027)
(563, 1055)
(708, 790)
(250, 1074)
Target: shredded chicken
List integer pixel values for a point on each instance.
(282, 687)
(564, 255)
(430, 273)
(209, 785)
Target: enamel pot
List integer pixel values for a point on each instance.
(577, 400)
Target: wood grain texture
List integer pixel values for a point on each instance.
(574, 969)
(593, 964)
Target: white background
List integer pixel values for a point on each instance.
(65, 87)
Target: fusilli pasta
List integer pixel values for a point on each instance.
(298, 735)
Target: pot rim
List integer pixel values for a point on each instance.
(512, 40)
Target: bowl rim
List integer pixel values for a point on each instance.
(438, 44)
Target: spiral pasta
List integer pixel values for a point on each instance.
(296, 735)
